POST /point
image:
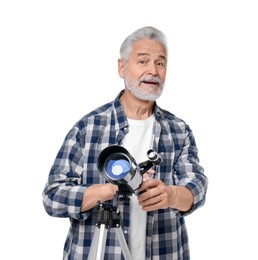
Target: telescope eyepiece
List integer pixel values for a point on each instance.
(154, 156)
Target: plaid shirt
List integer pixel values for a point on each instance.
(75, 168)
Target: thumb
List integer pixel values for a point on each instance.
(147, 175)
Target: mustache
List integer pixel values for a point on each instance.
(150, 79)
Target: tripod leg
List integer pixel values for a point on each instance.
(98, 244)
(123, 244)
(94, 245)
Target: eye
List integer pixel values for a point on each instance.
(142, 61)
(160, 64)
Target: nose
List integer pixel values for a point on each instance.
(152, 69)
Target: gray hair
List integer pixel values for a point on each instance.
(147, 32)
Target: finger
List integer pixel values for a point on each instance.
(150, 171)
(148, 184)
(148, 193)
(149, 200)
(146, 176)
(153, 203)
(152, 207)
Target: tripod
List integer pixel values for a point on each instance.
(108, 217)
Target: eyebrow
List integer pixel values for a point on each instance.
(147, 54)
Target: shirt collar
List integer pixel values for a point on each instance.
(121, 117)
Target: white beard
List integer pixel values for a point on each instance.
(140, 94)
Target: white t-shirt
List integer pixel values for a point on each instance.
(138, 141)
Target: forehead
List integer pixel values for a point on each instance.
(148, 47)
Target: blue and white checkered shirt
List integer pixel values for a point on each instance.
(75, 168)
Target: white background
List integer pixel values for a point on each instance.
(58, 61)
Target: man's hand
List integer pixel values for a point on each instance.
(97, 192)
(156, 195)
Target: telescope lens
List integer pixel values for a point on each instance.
(117, 168)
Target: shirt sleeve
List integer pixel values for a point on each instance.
(63, 192)
(189, 173)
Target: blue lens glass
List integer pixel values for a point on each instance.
(117, 169)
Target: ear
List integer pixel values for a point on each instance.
(121, 68)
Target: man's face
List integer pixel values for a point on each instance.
(145, 71)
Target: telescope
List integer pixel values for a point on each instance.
(118, 167)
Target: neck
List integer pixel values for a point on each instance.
(135, 108)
